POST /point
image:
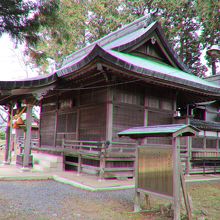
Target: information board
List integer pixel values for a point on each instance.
(155, 169)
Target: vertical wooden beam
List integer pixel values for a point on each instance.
(56, 119)
(27, 143)
(137, 200)
(204, 141)
(176, 177)
(109, 115)
(217, 145)
(79, 168)
(39, 129)
(189, 154)
(145, 109)
(78, 115)
(146, 113)
(102, 161)
(55, 129)
(77, 122)
(8, 135)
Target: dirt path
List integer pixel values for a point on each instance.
(47, 200)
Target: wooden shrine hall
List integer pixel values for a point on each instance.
(131, 77)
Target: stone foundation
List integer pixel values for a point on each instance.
(47, 163)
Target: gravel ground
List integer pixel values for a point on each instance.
(53, 200)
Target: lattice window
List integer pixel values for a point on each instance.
(47, 128)
(159, 118)
(197, 142)
(66, 122)
(211, 143)
(92, 125)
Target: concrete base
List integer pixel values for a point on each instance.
(47, 163)
(25, 169)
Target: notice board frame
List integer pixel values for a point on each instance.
(175, 131)
(154, 165)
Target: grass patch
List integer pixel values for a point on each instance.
(205, 199)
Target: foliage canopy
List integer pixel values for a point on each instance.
(190, 26)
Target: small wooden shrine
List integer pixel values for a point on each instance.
(129, 78)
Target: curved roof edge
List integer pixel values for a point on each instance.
(155, 26)
(34, 82)
(119, 59)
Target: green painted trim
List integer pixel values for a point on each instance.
(18, 178)
(158, 66)
(89, 188)
(202, 180)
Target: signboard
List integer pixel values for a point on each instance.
(155, 170)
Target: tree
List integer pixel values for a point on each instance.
(103, 18)
(21, 19)
(180, 20)
(183, 32)
(208, 14)
(63, 34)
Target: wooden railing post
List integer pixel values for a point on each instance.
(102, 159)
(79, 160)
(79, 164)
(27, 142)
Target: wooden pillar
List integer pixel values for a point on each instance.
(109, 115)
(176, 178)
(146, 113)
(137, 200)
(145, 109)
(27, 143)
(217, 145)
(102, 161)
(78, 115)
(55, 122)
(8, 135)
(189, 155)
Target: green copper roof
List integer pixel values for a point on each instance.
(160, 67)
(129, 37)
(159, 130)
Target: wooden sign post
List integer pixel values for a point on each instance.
(158, 170)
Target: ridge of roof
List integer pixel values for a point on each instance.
(125, 37)
(126, 29)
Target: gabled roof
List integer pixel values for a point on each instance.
(123, 39)
(159, 131)
(144, 68)
(116, 50)
(120, 50)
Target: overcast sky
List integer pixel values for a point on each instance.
(11, 61)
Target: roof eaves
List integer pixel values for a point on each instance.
(111, 57)
(162, 76)
(69, 69)
(34, 82)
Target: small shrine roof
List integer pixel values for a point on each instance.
(160, 130)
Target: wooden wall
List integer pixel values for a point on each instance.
(128, 109)
(73, 116)
(100, 114)
(48, 122)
